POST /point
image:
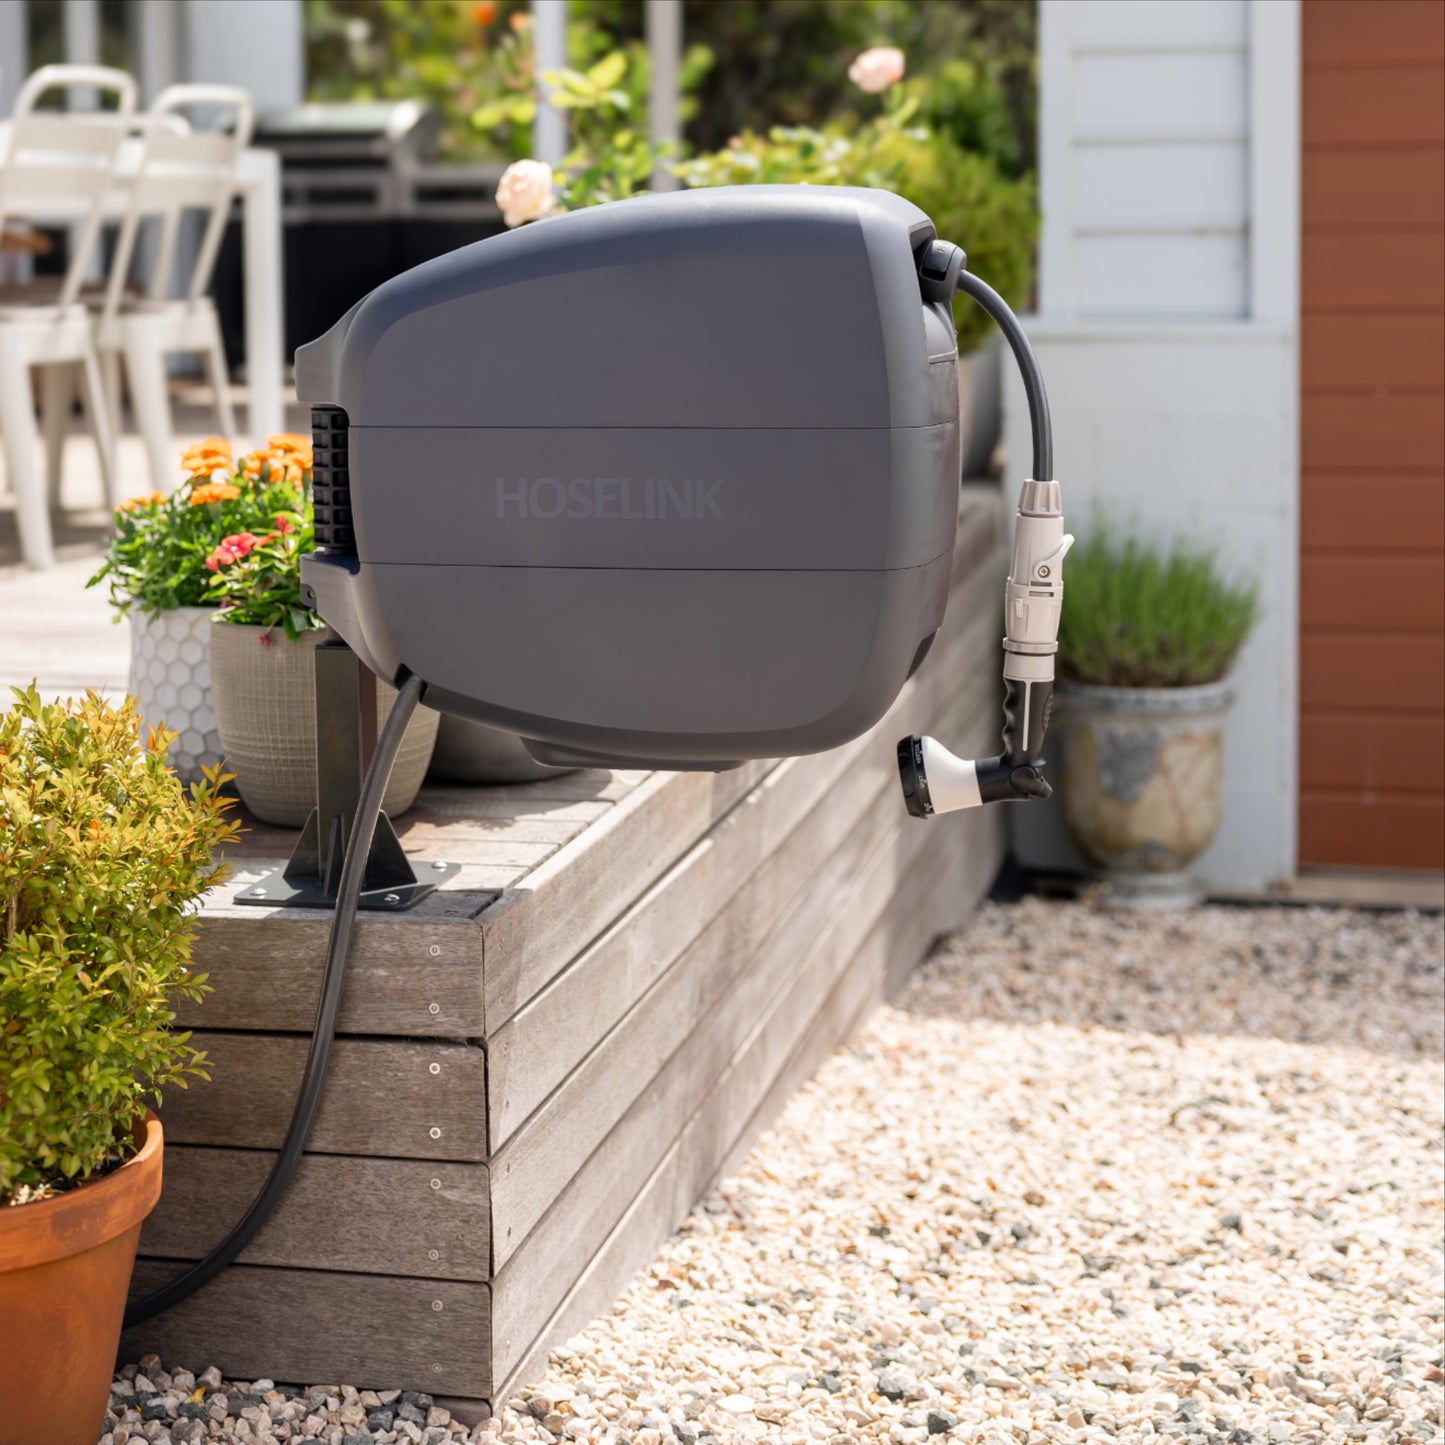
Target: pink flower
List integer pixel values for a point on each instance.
(283, 524)
(525, 191)
(231, 549)
(876, 69)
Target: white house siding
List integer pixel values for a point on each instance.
(1167, 330)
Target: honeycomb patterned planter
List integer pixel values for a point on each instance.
(170, 679)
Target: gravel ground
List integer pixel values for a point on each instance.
(1092, 1177)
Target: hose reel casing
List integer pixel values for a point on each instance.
(671, 482)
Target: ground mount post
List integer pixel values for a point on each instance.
(345, 741)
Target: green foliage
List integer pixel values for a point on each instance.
(971, 202)
(103, 855)
(605, 95)
(160, 555)
(1139, 614)
(257, 579)
(612, 154)
(994, 218)
(456, 54)
(785, 61)
(964, 101)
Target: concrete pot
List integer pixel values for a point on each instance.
(472, 752)
(980, 402)
(170, 679)
(65, 1266)
(1141, 783)
(264, 688)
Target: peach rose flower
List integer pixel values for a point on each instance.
(876, 69)
(525, 191)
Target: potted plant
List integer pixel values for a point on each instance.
(155, 566)
(103, 856)
(263, 675)
(1148, 635)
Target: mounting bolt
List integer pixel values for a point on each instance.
(436, 1184)
(436, 1304)
(435, 1133)
(258, 893)
(435, 1068)
(433, 1254)
(436, 1369)
(392, 898)
(433, 1008)
(435, 950)
(438, 866)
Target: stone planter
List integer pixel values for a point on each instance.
(472, 752)
(265, 698)
(170, 679)
(980, 401)
(1141, 783)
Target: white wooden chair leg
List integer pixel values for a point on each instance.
(99, 414)
(145, 367)
(57, 393)
(215, 359)
(110, 379)
(22, 457)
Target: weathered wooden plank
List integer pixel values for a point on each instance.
(532, 1052)
(692, 1159)
(307, 1325)
(532, 931)
(392, 1099)
(369, 1216)
(265, 972)
(800, 957)
(805, 877)
(955, 877)
(531, 1281)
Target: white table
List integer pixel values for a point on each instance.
(259, 183)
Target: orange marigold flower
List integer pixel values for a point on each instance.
(214, 492)
(134, 504)
(484, 12)
(212, 451)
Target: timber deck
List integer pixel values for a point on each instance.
(542, 1067)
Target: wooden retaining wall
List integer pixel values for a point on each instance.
(541, 1068)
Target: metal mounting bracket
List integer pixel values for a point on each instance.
(345, 741)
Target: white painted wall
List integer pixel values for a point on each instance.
(1168, 332)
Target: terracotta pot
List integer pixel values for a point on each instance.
(65, 1268)
(170, 679)
(265, 695)
(1141, 783)
(472, 752)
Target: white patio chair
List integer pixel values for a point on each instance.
(55, 160)
(182, 170)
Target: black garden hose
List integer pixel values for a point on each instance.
(323, 1034)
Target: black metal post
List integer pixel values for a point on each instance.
(345, 740)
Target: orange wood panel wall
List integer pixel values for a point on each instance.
(1372, 435)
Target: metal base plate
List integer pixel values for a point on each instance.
(276, 890)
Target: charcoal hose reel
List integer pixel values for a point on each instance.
(667, 483)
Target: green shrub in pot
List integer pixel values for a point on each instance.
(1149, 634)
(103, 857)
